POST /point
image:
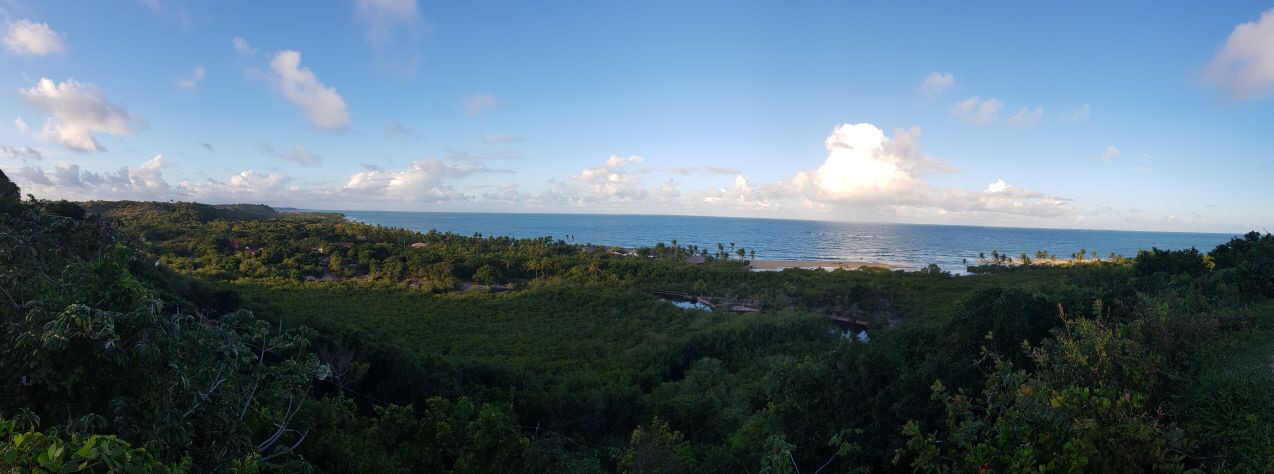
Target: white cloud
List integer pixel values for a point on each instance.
(862, 164)
(977, 111)
(865, 175)
(1244, 68)
(669, 190)
(479, 103)
(298, 155)
(20, 152)
(999, 203)
(1027, 117)
(936, 83)
(322, 105)
(192, 82)
(393, 29)
(242, 48)
(68, 181)
(720, 170)
(710, 170)
(27, 176)
(385, 18)
(868, 175)
(247, 186)
(1110, 152)
(999, 186)
(32, 39)
(612, 180)
(1081, 113)
(153, 5)
(422, 181)
(858, 164)
(76, 110)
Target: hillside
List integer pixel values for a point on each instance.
(201, 212)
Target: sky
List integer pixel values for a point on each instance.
(1114, 115)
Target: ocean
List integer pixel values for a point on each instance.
(903, 245)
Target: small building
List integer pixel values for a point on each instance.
(696, 259)
(419, 245)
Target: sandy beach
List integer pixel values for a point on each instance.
(830, 265)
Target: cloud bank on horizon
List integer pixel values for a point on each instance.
(478, 130)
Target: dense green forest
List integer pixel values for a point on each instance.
(183, 337)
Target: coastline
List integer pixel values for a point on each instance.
(819, 264)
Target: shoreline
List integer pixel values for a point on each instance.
(817, 264)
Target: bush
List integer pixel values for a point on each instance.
(1002, 319)
(1245, 266)
(1229, 412)
(1172, 262)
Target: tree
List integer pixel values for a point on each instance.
(655, 449)
(33, 451)
(10, 195)
(486, 275)
(335, 264)
(1084, 409)
(1172, 262)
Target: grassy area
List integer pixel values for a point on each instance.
(552, 331)
(1229, 406)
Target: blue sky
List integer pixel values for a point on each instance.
(1135, 115)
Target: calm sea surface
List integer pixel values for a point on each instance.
(908, 245)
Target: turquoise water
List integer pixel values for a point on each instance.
(906, 245)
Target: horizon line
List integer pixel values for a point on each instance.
(792, 219)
